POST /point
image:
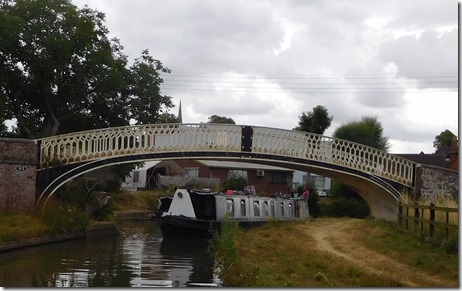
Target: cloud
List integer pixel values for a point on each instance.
(265, 62)
(431, 53)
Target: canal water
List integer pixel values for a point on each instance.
(137, 257)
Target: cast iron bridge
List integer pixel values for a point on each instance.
(380, 178)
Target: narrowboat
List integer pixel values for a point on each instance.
(198, 213)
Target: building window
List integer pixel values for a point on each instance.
(282, 209)
(136, 176)
(318, 181)
(278, 178)
(237, 174)
(192, 172)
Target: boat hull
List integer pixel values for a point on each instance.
(185, 227)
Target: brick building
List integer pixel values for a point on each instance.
(266, 179)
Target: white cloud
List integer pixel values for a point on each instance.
(293, 55)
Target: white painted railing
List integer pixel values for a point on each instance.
(163, 138)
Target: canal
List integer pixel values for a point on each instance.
(137, 257)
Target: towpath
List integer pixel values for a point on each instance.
(339, 238)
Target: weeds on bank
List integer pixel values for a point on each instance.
(63, 218)
(15, 227)
(139, 200)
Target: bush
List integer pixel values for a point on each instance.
(63, 218)
(237, 183)
(342, 207)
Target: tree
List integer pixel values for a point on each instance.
(316, 121)
(220, 119)
(444, 139)
(368, 131)
(61, 73)
(145, 91)
(168, 118)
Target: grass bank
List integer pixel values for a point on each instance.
(290, 254)
(62, 218)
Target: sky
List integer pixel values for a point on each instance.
(264, 63)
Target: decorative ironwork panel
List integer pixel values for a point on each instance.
(159, 138)
(131, 140)
(333, 151)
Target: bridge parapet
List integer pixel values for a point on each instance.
(339, 152)
(163, 138)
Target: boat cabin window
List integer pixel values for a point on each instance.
(291, 210)
(282, 209)
(273, 210)
(265, 209)
(243, 208)
(256, 208)
(230, 207)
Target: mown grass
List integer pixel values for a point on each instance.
(276, 255)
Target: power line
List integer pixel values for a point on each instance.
(307, 78)
(314, 83)
(304, 92)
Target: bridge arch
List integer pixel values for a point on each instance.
(377, 176)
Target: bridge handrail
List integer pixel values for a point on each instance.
(173, 137)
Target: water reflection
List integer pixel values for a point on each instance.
(138, 256)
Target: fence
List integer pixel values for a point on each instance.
(433, 223)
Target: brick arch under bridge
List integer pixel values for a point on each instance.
(377, 176)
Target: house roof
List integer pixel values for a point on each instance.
(172, 167)
(241, 165)
(438, 160)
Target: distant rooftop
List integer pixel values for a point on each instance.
(241, 165)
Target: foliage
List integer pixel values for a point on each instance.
(220, 119)
(64, 218)
(139, 200)
(19, 226)
(343, 207)
(444, 139)
(223, 249)
(316, 121)
(367, 131)
(235, 183)
(168, 118)
(145, 91)
(341, 190)
(60, 72)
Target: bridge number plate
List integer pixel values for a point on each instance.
(21, 168)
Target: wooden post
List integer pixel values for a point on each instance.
(447, 224)
(407, 217)
(432, 219)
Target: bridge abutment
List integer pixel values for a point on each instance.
(18, 167)
(434, 183)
